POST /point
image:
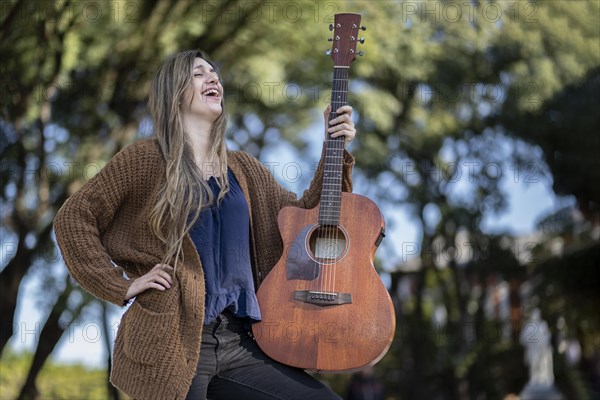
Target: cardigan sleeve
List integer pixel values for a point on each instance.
(80, 223)
(277, 196)
(311, 196)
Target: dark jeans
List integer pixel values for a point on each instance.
(232, 366)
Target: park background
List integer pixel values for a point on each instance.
(475, 123)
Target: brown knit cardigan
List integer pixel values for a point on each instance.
(103, 232)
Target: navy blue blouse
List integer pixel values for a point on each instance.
(222, 237)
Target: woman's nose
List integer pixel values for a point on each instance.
(213, 77)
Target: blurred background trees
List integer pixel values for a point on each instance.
(451, 100)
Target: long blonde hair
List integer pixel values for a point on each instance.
(184, 192)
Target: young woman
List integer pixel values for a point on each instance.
(188, 229)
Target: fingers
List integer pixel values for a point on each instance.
(344, 114)
(342, 125)
(159, 276)
(344, 110)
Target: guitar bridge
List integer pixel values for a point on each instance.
(323, 298)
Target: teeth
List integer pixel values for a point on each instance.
(211, 92)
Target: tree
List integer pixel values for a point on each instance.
(445, 96)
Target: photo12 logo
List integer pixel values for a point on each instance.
(268, 11)
(469, 11)
(75, 12)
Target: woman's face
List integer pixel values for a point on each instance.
(203, 97)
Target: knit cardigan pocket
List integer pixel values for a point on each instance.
(147, 335)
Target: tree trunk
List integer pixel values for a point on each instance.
(10, 280)
(49, 337)
(416, 390)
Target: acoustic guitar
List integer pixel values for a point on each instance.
(323, 305)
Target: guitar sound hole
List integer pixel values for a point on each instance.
(327, 244)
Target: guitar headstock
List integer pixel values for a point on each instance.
(345, 37)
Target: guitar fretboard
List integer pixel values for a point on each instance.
(331, 194)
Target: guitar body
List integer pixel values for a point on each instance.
(323, 305)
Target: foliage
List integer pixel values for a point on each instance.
(54, 382)
(448, 94)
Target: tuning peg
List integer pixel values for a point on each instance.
(361, 53)
(330, 39)
(328, 52)
(364, 28)
(330, 27)
(362, 40)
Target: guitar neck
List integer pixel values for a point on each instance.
(331, 194)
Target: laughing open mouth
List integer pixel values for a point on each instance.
(212, 92)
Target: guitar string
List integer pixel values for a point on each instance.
(328, 232)
(331, 152)
(333, 160)
(340, 152)
(342, 144)
(337, 145)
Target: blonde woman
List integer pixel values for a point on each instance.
(186, 230)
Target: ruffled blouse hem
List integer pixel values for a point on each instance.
(243, 303)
